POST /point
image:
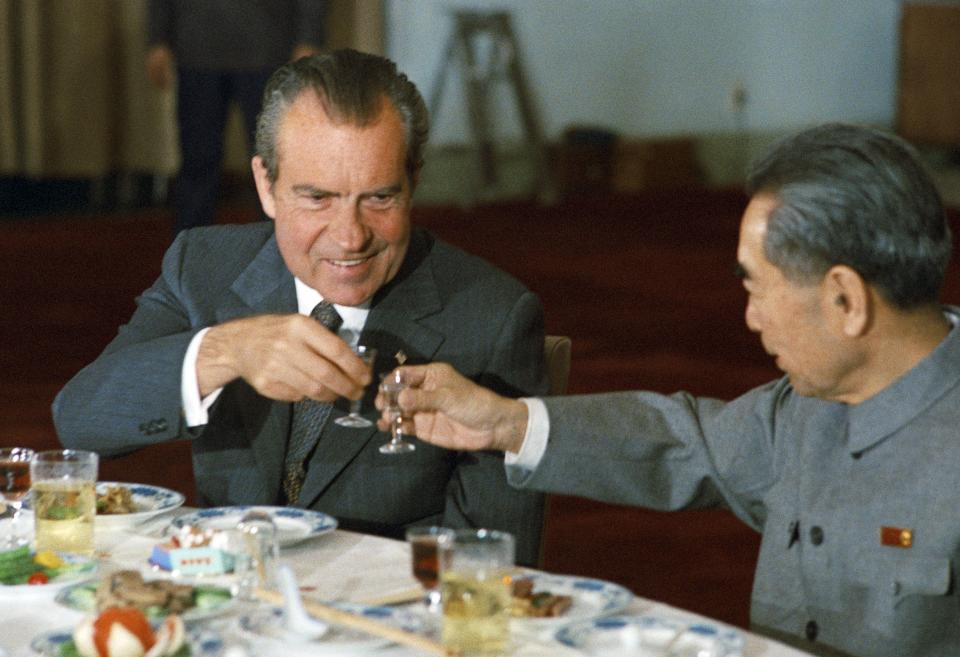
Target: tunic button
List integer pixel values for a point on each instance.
(811, 630)
(816, 535)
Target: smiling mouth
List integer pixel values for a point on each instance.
(351, 262)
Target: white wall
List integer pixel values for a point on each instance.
(668, 67)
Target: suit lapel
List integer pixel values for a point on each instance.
(394, 324)
(265, 286)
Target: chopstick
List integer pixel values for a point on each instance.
(369, 625)
(396, 597)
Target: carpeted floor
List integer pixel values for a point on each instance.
(643, 285)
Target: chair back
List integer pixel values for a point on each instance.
(556, 353)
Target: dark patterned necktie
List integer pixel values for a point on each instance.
(309, 416)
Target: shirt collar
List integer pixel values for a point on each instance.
(899, 403)
(354, 317)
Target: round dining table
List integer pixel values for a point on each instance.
(335, 566)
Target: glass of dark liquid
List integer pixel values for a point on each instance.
(430, 550)
(14, 486)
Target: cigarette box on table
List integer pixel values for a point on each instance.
(191, 561)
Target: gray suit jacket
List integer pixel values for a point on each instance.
(857, 504)
(444, 305)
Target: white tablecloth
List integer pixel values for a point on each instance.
(341, 565)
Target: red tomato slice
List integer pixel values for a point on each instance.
(130, 618)
(38, 577)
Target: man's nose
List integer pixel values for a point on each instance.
(347, 228)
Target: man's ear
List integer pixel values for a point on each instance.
(848, 296)
(264, 186)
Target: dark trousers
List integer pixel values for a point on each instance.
(203, 98)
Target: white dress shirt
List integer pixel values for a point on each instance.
(534, 440)
(195, 409)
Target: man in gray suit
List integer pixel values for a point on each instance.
(222, 343)
(848, 464)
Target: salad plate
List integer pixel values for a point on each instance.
(651, 636)
(208, 601)
(590, 598)
(264, 631)
(201, 642)
(293, 525)
(76, 569)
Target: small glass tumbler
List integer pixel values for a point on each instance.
(430, 549)
(64, 500)
(256, 554)
(476, 592)
(14, 486)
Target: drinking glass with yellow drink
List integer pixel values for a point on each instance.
(64, 500)
(476, 592)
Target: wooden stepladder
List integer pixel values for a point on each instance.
(474, 35)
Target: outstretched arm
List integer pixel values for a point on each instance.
(451, 411)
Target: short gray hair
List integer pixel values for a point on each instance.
(858, 197)
(351, 86)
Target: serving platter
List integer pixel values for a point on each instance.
(210, 601)
(591, 598)
(293, 525)
(203, 642)
(649, 636)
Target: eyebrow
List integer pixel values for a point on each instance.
(313, 191)
(389, 190)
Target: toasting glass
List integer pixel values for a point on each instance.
(391, 386)
(354, 420)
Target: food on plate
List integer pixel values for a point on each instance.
(20, 566)
(115, 500)
(155, 598)
(126, 632)
(525, 603)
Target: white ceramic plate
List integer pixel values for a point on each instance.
(591, 598)
(82, 597)
(86, 568)
(203, 642)
(263, 628)
(293, 525)
(149, 500)
(646, 636)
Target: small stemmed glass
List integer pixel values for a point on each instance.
(390, 387)
(354, 420)
(14, 485)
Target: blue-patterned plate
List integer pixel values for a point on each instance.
(264, 631)
(148, 501)
(293, 525)
(81, 569)
(629, 636)
(203, 642)
(591, 598)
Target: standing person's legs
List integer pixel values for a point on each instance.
(202, 98)
(248, 89)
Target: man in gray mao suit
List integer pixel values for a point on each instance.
(848, 464)
(217, 350)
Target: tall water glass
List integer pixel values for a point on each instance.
(64, 500)
(476, 593)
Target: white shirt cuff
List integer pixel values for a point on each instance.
(535, 438)
(194, 408)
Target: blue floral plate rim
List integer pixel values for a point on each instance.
(293, 525)
(628, 633)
